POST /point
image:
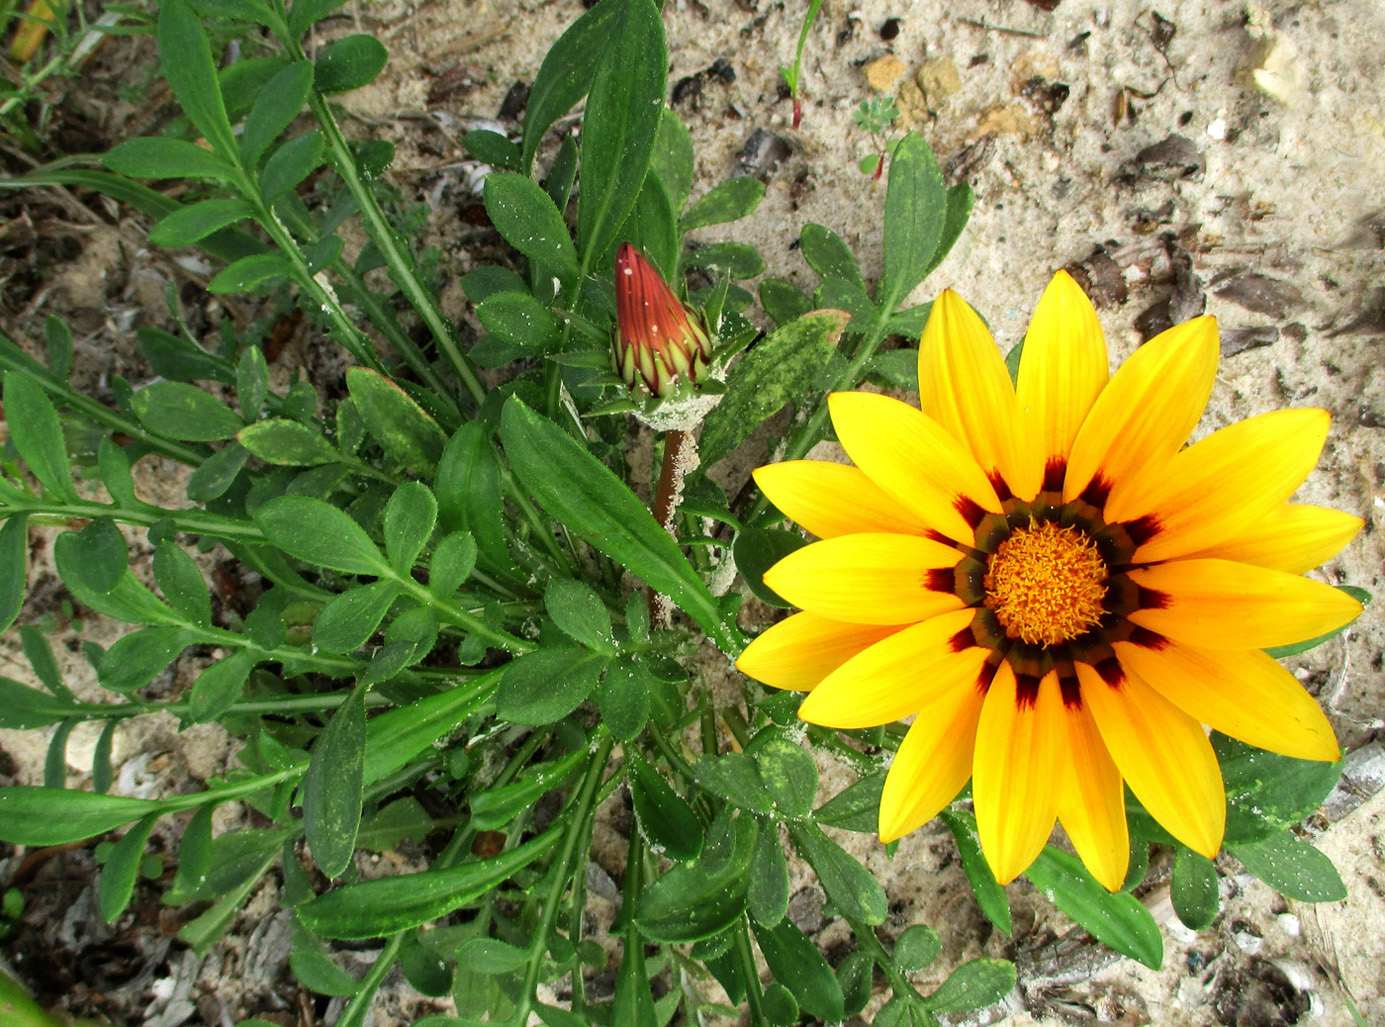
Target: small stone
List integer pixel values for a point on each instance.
(1173, 158)
(883, 72)
(1005, 119)
(1274, 68)
(1238, 340)
(1101, 279)
(1259, 293)
(805, 910)
(938, 78)
(913, 107)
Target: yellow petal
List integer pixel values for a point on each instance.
(801, 650)
(1244, 694)
(833, 499)
(933, 762)
(911, 456)
(1017, 771)
(964, 386)
(870, 578)
(1224, 483)
(1163, 755)
(1063, 367)
(1220, 604)
(1147, 410)
(897, 676)
(1292, 537)
(1091, 803)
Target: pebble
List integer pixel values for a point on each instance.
(883, 72)
(938, 78)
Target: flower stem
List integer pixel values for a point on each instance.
(680, 457)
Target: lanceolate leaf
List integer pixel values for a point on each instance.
(915, 208)
(14, 562)
(1265, 791)
(319, 533)
(566, 74)
(392, 904)
(1292, 867)
(1116, 920)
(989, 895)
(799, 966)
(187, 64)
(666, 820)
(333, 785)
(579, 491)
(118, 876)
(697, 900)
(525, 215)
(55, 816)
(404, 431)
(36, 433)
(848, 884)
(622, 117)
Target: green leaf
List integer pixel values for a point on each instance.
(734, 259)
(521, 321)
(855, 976)
(116, 883)
(652, 228)
(666, 821)
(219, 686)
(407, 434)
(252, 382)
(633, 1005)
(287, 443)
(452, 563)
(735, 776)
(579, 614)
(180, 580)
(498, 806)
(1118, 920)
(158, 157)
(955, 218)
(781, 367)
(624, 700)
(850, 886)
(579, 491)
(319, 533)
(55, 816)
(129, 601)
(313, 968)
(468, 491)
(727, 201)
(566, 74)
(916, 949)
(245, 274)
(101, 549)
(276, 105)
(973, 985)
(1292, 867)
(541, 687)
(195, 222)
(114, 468)
(304, 13)
(349, 619)
(391, 904)
(915, 208)
(174, 356)
(672, 158)
(798, 965)
(1265, 791)
(397, 736)
(23, 708)
(767, 893)
(856, 807)
(627, 95)
(187, 64)
(492, 148)
(218, 471)
(782, 300)
(491, 956)
(392, 823)
(40, 656)
(180, 411)
(1193, 888)
(333, 786)
(409, 519)
(897, 368)
(349, 64)
(788, 771)
(699, 899)
(828, 255)
(135, 659)
(37, 434)
(526, 218)
(195, 850)
(292, 162)
(756, 551)
(55, 761)
(14, 564)
(58, 338)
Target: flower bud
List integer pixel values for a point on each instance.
(659, 338)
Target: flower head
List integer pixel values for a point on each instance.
(1058, 592)
(659, 339)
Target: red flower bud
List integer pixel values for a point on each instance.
(659, 338)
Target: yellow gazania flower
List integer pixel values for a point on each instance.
(1058, 592)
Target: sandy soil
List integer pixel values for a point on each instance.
(1183, 156)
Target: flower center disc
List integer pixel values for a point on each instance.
(1046, 584)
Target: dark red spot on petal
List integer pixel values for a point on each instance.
(1054, 472)
(964, 639)
(1148, 639)
(1002, 488)
(970, 510)
(1143, 529)
(940, 579)
(1070, 689)
(1096, 493)
(1153, 599)
(938, 536)
(1026, 691)
(1111, 672)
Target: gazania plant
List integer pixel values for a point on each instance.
(466, 677)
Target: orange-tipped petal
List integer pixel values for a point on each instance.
(915, 460)
(964, 386)
(833, 499)
(1091, 803)
(801, 650)
(1063, 367)
(1219, 604)
(933, 762)
(899, 675)
(1017, 771)
(1241, 693)
(1293, 537)
(870, 578)
(1163, 755)
(1224, 483)
(1147, 410)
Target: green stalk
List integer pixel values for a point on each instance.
(360, 1004)
(746, 957)
(866, 939)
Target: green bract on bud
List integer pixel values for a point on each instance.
(659, 338)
